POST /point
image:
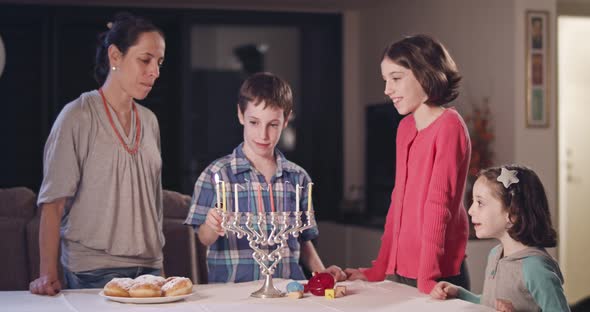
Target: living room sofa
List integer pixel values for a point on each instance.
(184, 255)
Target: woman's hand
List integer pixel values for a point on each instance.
(48, 281)
(46, 284)
(444, 290)
(355, 274)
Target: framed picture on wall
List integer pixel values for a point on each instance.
(537, 68)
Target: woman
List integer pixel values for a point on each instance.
(101, 191)
(426, 229)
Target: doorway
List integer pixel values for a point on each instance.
(574, 153)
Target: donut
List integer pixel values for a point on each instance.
(145, 289)
(147, 285)
(151, 279)
(118, 287)
(176, 286)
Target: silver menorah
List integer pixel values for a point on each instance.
(282, 225)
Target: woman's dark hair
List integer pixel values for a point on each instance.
(124, 31)
(527, 206)
(430, 63)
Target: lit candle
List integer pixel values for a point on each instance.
(260, 203)
(309, 185)
(297, 197)
(236, 197)
(272, 201)
(223, 198)
(217, 190)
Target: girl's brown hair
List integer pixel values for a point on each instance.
(527, 206)
(430, 63)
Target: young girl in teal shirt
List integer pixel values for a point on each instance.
(509, 204)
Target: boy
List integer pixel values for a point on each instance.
(264, 106)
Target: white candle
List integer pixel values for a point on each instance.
(217, 190)
(297, 197)
(309, 185)
(224, 204)
(236, 197)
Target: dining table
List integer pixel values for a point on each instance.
(235, 297)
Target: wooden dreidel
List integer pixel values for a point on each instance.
(329, 293)
(295, 295)
(340, 291)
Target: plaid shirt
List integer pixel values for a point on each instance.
(229, 259)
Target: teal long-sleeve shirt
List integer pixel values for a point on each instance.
(530, 279)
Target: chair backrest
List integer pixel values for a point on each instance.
(184, 255)
(17, 209)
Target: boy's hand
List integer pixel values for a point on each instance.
(503, 305)
(213, 221)
(337, 272)
(355, 274)
(444, 290)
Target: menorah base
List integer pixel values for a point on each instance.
(268, 290)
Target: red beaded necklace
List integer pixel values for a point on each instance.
(135, 147)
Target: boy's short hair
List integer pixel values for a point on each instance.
(267, 87)
(430, 63)
(527, 206)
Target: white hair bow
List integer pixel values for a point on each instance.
(507, 177)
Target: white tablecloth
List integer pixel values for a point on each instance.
(361, 296)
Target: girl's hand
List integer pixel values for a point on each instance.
(503, 305)
(355, 274)
(444, 290)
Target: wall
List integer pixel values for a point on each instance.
(574, 148)
(480, 39)
(212, 48)
(486, 39)
(536, 147)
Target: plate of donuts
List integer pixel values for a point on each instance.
(148, 289)
(145, 299)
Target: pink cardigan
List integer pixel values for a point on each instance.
(426, 229)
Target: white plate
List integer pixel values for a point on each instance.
(145, 300)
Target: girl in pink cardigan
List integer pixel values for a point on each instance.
(426, 229)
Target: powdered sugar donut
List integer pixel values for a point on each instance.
(118, 287)
(151, 279)
(145, 289)
(176, 286)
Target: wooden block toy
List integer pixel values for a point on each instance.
(295, 295)
(340, 291)
(329, 293)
